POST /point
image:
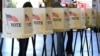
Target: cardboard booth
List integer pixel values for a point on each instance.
(75, 18)
(42, 20)
(17, 22)
(60, 19)
(94, 17)
(88, 17)
(98, 13)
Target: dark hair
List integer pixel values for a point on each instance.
(27, 4)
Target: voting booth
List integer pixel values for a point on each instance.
(42, 20)
(60, 19)
(17, 22)
(88, 17)
(94, 17)
(76, 19)
(98, 14)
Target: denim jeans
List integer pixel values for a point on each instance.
(23, 44)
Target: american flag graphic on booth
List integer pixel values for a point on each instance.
(36, 17)
(86, 14)
(27, 17)
(55, 14)
(65, 14)
(72, 13)
(48, 16)
(11, 18)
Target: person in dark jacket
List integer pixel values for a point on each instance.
(23, 43)
(69, 48)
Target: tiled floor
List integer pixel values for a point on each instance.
(39, 44)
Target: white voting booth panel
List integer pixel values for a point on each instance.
(75, 18)
(98, 19)
(98, 12)
(17, 22)
(94, 17)
(60, 19)
(42, 21)
(88, 17)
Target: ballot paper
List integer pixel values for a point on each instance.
(42, 20)
(17, 22)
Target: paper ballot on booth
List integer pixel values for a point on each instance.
(75, 20)
(14, 23)
(42, 22)
(60, 19)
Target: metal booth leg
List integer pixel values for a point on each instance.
(44, 46)
(12, 48)
(1, 44)
(97, 40)
(75, 42)
(53, 46)
(87, 42)
(33, 42)
(91, 39)
(81, 37)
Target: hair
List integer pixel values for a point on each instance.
(27, 4)
(71, 5)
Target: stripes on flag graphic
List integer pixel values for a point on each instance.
(48, 16)
(72, 13)
(11, 18)
(36, 17)
(27, 17)
(55, 14)
(65, 14)
(86, 14)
